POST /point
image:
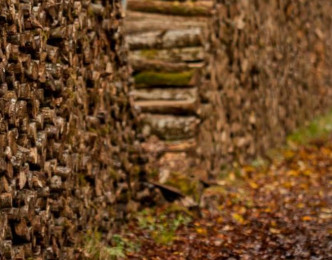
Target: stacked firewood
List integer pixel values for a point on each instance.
(67, 138)
(269, 72)
(69, 153)
(166, 42)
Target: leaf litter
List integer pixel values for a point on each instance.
(282, 211)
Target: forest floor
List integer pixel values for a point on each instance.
(280, 210)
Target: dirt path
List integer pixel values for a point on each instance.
(282, 212)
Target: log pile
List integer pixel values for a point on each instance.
(70, 155)
(269, 71)
(255, 76)
(67, 138)
(166, 42)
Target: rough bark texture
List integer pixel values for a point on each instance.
(268, 71)
(66, 125)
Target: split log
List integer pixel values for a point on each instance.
(170, 127)
(189, 55)
(140, 65)
(171, 146)
(6, 200)
(58, 69)
(159, 79)
(168, 39)
(186, 107)
(170, 193)
(137, 22)
(165, 94)
(197, 8)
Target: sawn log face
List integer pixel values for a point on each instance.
(66, 126)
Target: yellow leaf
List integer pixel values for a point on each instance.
(307, 173)
(304, 186)
(253, 184)
(289, 154)
(201, 231)
(273, 223)
(220, 220)
(287, 184)
(238, 218)
(293, 173)
(232, 176)
(248, 168)
(274, 231)
(306, 218)
(300, 205)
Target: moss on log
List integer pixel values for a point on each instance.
(151, 78)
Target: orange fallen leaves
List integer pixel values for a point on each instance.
(201, 231)
(283, 213)
(306, 218)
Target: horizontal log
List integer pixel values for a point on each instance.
(137, 22)
(198, 8)
(187, 107)
(170, 193)
(170, 146)
(178, 38)
(169, 128)
(189, 55)
(151, 78)
(139, 65)
(165, 94)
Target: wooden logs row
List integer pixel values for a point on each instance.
(266, 75)
(67, 126)
(166, 42)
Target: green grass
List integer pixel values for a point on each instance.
(320, 127)
(98, 250)
(162, 228)
(186, 184)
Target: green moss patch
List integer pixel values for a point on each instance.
(320, 127)
(151, 78)
(187, 185)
